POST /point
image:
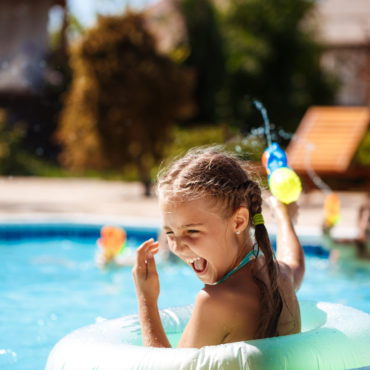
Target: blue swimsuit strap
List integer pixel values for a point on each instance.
(249, 257)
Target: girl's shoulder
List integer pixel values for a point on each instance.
(233, 312)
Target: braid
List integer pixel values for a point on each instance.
(271, 301)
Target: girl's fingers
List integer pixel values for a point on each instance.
(145, 245)
(154, 248)
(142, 252)
(151, 266)
(153, 251)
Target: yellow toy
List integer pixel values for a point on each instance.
(284, 183)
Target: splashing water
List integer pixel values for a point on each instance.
(266, 120)
(309, 147)
(316, 179)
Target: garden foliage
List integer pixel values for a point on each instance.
(124, 99)
(11, 137)
(269, 52)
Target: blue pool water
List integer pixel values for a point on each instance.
(49, 286)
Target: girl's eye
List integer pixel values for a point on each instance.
(193, 231)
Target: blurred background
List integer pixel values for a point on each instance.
(110, 89)
(96, 94)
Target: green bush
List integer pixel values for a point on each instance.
(249, 147)
(362, 156)
(10, 143)
(124, 100)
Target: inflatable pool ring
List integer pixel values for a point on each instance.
(284, 183)
(112, 241)
(331, 210)
(333, 337)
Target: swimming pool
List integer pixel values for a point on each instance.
(49, 286)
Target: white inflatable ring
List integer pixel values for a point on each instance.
(333, 337)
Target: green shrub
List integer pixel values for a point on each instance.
(124, 100)
(10, 142)
(362, 156)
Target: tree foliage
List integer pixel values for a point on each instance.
(270, 53)
(124, 99)
(11, 137)
(362, 156)
(206, 56)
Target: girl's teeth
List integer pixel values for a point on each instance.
(199, 265)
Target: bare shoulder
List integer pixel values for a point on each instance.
(219, 316)
(204, 326)
(238, 307)
(227, 305)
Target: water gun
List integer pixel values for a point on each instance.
(283, 182)
(112, 241)
(331, 210)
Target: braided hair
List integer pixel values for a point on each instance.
(224, 179)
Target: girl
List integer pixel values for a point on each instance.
(209, 205)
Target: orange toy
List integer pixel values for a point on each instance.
(331, 210)
(264, 159)
(112, 241)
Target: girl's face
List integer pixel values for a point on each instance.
(202, 238)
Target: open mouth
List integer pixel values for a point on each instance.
(199, 265)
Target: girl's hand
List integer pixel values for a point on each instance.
(145, 272)
(281, 210)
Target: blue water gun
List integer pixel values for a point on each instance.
(283, 182)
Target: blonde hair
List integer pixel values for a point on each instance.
(224, 179)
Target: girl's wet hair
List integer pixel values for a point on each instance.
(224, 179)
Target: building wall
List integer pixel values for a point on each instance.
(23, 44)
(352, 66)
(344, 30)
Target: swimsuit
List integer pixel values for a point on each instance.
(249, 257)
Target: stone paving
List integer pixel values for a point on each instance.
(89, 200)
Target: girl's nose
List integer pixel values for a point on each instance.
(178, 244)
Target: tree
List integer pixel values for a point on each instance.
(206, 56)
(272, 55)
(124, 99)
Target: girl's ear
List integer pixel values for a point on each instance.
(240, 219)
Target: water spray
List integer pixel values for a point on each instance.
(266, 120)
(283, 182)
(332, 202)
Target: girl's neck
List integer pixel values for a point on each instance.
(251, 255)
(245, 255)
(245, 246)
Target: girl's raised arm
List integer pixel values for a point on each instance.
(147, 290)
(288, 247)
